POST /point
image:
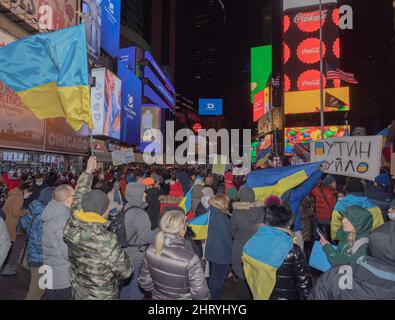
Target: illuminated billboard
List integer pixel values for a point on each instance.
(335, 99)
(210, 107)
(294, 136)
(92, 20)
(128, 57)
(261, 104)
(302, 48)
(157, 68)
(151, 77)
(110, 27)
(150, 119)
(106, 103)
(261, 69)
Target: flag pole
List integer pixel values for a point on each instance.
(321, 78)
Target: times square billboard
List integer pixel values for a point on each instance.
(301, 60)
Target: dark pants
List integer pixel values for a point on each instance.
(218, 275)
(58, 294)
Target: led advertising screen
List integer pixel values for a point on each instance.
(210, 107)
(110, 28)
(151, 77)
(335, 99)
(298, 135)
(128, 57)
(302, 48)
(106, 103)
(157, 68)
(261, 69)
(92, 20)
(293, 4)
(150, 119)
(131, 104)
(154, 97)
(261, 104)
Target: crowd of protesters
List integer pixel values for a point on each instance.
(122, 235)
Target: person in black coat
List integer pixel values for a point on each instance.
(369, 278)
(153, 192)
(293, 277)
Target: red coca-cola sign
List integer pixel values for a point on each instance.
(287, 83)
(287, 53)
(196, 127)
(309, 50)
(310, 80)
(336, 48)
(310, 21)
(287, 23)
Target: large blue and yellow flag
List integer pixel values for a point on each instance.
(199, 226)
(263, 254)
(186, 202)
(277, 181)
(49, 72)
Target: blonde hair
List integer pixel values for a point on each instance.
(221, 202)
(351, 239)
(172, 222)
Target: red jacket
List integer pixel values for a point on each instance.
(325, 201)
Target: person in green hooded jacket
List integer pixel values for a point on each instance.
(353, 237)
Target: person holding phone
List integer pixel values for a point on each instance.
(353, 237)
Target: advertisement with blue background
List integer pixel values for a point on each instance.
(110, 26)
(128, 57)
(131, 105)
(210, 107)
(150, 75)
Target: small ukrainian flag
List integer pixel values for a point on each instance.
(49, 72)
(186, 202)
(263, 254)
(199, 226)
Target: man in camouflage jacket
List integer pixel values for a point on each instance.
(97, 262)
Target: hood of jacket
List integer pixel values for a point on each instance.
(382, 244)
(246, 194)
(196, 196)
(36, 207)
(54, 211)
(353, 200)
(360, 218)
(134, 194)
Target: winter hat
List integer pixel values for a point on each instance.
(176, 189)
(278, 216)
(246, 194)
(328, 180)
(382, 244)
(95, 201)
(272, 200)
(354, 185)
(208, 192)
(232, 193)
(383, 180)
(392, 204)
(148, 181)
(46, 195)
(134, 194)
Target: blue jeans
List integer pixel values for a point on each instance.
(218, 275)
(132, 290)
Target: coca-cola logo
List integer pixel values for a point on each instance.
(309, 50)
(310, 21)
(310, 80)
(335, 16)
(287, 53)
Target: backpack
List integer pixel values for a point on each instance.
(117, 226)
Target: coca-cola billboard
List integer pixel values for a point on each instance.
(301, 48)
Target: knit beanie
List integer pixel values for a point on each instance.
(95, 201)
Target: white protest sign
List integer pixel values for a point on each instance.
(128, 155)
(120, 157)
(356, 156)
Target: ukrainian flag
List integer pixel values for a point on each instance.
(263, 254)
(186, 202)
(49, 72)
(199, 226)
(352, 200)
(278, 181)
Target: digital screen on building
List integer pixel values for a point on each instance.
(128, 57)
(150, 119)
(148, 56)
(106, 103)
(131, 104)
(261, 104)
(298, 135)
(261, 69)
(302, 48)
(210, 107)
(154, 97)
(110, 28)
(151, 77)
(335, 99)
(254, 146)
(92, 20)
